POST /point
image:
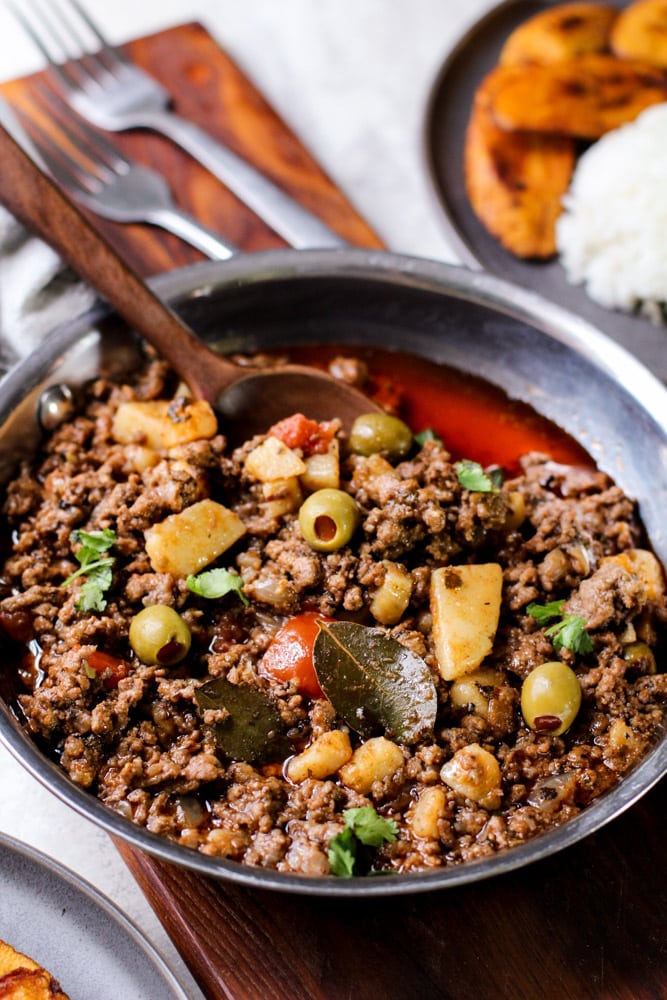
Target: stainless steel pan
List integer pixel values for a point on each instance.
(537, 352)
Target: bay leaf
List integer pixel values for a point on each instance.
(253, 729)
(375, 683)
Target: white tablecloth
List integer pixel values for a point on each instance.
(352, 78)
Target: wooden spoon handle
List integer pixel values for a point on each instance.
(34, 199)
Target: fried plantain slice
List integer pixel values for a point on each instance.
(515, 181)
(11, 959)
(29, 984)
(21, 978)
(584, 97)
(640, 32)
(560, 33)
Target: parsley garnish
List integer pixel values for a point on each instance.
(543, 613)
(94, 565)
(363, 827)
(427, 435)
(216, 583)
(472, 477)
(569, 633)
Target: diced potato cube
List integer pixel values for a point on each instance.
(282, 496)
(393, 595)
(621, 739)
(643, 564)
(139, 422)
(629, 634)
(471, 691)
(222, 843)
(427, 811)
(272, 459)
(141, 457)
(375, 760)
(372, 467)
(323, 757)
(163, 423)
(322, 471)
(475, 773)
(465, 604)
(185, 543)
(376, 465)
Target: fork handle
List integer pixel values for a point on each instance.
(186, 228)
(299, 227)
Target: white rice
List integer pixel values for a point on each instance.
(612, 236)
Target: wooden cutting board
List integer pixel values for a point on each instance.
(211, 91)
(585, 925)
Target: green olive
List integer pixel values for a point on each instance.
(158, 634)
(380, 433)
(550, 698)
(328, 519)
(640, 656)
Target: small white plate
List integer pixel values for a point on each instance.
(85, 942)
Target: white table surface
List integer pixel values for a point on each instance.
(351, 77)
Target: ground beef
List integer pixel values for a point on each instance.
(137, 736)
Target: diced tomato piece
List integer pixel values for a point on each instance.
(110, 668)
(387, 394)
(290, 654)
(299, 431)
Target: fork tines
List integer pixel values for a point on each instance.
(76, 51)
(102, 159)
(117, 95)
(93, 172)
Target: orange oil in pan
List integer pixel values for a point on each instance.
(475, 419)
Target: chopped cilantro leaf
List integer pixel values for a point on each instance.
(343, 849)
(94, 565)
(371, 829)
(543, 613)
(92, 592)
(568, 633)
(472, 477)
(93, 543)
(427, 435)
(89, 568)
(364, 827)
(216, 583)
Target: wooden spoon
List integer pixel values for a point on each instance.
(252, 398)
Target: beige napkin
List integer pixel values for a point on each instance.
(37, 291)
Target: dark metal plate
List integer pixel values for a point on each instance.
(446, 118)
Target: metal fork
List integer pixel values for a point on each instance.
(98, 176)
(111, 92)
